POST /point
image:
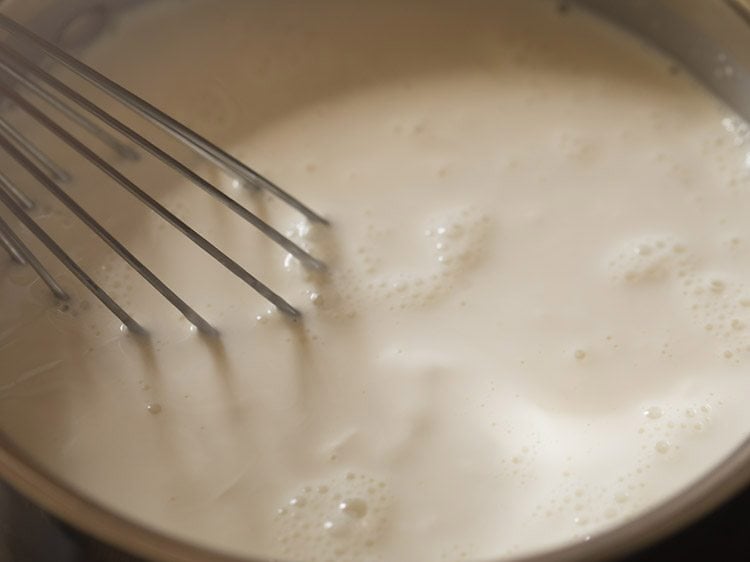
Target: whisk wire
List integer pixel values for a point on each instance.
(110, 240)
(121, 149)
(149, 201)
(19, 76)
(32, 150)
(127, 320)
(24, 256)
(12, 190)
(197, 142)
(8, 245)
(213, 191)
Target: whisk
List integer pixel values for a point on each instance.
(22, 79)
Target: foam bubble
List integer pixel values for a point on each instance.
(153, 408)
(716, 303)
(341, 519)
(648, 259)
(452, 243)
(653, 412)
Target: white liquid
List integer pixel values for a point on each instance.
(535, 324)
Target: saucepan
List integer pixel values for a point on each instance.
(710, 38)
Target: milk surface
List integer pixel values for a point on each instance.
(535, 324)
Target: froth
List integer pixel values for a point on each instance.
(720, 305)
(524, 316)
(648, 259)
(421, 270)
(340, 519)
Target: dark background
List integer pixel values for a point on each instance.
(28, 535)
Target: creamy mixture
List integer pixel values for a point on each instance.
(536, 322)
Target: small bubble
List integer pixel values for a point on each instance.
(297, 502)
(662, 447)
(153, 408)
(643, 250)
(355, 507)
(580, 354)
(654, 412)
(717, 286)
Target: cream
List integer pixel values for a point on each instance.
(533, 327)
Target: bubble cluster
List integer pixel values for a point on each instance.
(380, 269)
(653, 412)
(738, 129)
(454, 238)
(266, 316)
(666, 430)
(649, 259)
(586, 505)
(738, 133)
(717, 302)
(520, 464)
(340, 519)
(451, 245)
(720, 305)
(320, 290)
(312, 238)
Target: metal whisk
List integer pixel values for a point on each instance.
(21, 79)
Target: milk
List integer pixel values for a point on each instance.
(535, 321)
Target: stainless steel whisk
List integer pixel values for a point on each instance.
(20, 79)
